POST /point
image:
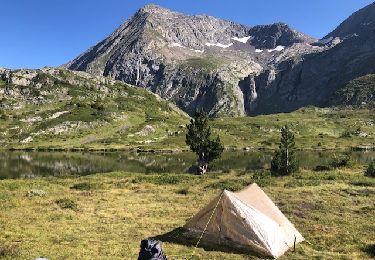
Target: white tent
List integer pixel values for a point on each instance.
(248, 219)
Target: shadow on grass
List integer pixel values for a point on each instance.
(370, 250)
(182, 237)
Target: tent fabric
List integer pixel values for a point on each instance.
(248, 218)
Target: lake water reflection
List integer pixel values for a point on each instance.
(22, 164)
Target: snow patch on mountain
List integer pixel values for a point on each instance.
(176, 44)
(278, 48)
(219, 45)
(199, 51)
(243, 39)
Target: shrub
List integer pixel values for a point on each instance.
(346, 134)
(3, 115)
(320, 168)
(84, 186)
(97, 105)
(81, 104)
(183, 191)
(231, 185)
(342, 161)
(66, 204)
(371, 169)
(365, 182)
(9, 251)
(301, 183)
(162, 179)
(168, 179)
(262, 178)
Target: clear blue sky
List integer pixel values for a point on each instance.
(37, 33)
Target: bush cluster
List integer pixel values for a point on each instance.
(66, 204)
(342, 161)
(85, 186)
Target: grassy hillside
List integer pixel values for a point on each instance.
(64, 109)
(105, 216)
(61, 109)
(314, 128)
(358, 92)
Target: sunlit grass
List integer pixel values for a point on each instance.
(314, 128)
(105, 216)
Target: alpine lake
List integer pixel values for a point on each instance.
(30, 164)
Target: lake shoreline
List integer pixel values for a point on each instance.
(161, 151)
(29, 163)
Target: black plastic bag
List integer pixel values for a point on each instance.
(151, 250)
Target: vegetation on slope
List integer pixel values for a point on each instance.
(61, 109)
(314, 128)
(360, 91)
(207, 64)
(64, 109)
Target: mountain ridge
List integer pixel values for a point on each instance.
(59, 109)
(225, 68)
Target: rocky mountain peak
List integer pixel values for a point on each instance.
(197, 61)
(359, 23)
(270, 36)
(154, 9)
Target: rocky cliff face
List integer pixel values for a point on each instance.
(273, 35)
(316, 78)
(231, 69)
(359, 22)
(196, 61)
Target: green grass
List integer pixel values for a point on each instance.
(85, 186)
(314, 128)
(332, 209)
(207, 63)
(97, 115)
(360, 91)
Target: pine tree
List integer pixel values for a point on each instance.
(199, 139)
(371, 169)
(284, 161)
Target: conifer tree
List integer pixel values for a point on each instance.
(371, 169)
(199, 139)
(284, 161)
